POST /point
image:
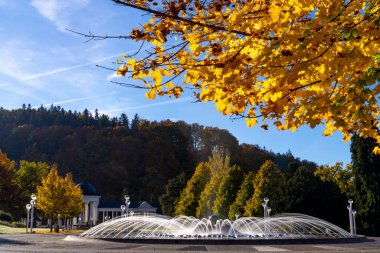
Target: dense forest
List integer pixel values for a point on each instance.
(181, 168)
(121, 153)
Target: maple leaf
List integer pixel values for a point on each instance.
(299, 62)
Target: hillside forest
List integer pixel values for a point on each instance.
(179, 167)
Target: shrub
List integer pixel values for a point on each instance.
(4, 216)
(17, 224)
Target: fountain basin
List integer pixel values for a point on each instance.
(283, 228)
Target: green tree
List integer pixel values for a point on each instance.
(337, 174)
(243, 195)
(366, 173)
(172, 192)
(227, 190)
(28, 176)
(304, 192)
(189, 198)
(218, 165)
(57, 196)
(268, 182)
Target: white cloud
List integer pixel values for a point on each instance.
(130, 108)
(74, 100)
(59, 70)
(16, 60)
(59, 11)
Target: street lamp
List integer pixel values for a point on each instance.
(349, 207)
(353, 220)
(265, 205)
(122, 207)
(28, 206)
(127, 203)
(268, 210)
(32, 202)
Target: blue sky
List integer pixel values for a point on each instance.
(42, 63)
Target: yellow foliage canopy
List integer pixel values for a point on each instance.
(59, 196)
(306, 62)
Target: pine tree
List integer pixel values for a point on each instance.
(244, 194)
(366, 173)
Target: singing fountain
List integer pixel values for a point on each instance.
(282, 227)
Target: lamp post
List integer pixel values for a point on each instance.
(353, 221)
(28, 206)
(32, 202)
(127, 203)
(265, 205)
(349, 207)
(122, 207)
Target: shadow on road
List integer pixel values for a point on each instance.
(14, 242)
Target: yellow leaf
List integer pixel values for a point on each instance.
(274, 12)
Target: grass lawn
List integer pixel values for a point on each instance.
(11, 230)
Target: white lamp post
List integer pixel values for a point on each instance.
(122, 207)
(32, 202)
(127, 203)
(353, 221)
(28, 206)
(349, 207)
(265, 205)
(268, 210)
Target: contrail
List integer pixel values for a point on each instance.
(176, 101)
(59, 70)
(71, 100)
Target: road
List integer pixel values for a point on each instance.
(62, 243)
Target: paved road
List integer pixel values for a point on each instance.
(59, 243)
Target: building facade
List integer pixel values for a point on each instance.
(95, 210)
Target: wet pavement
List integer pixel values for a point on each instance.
(64, 243)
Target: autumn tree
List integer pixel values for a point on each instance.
(267, 183)
(243, 195)
(58, 197)
(218, 164)
(188, 200)
(228, 188)
(292, 62)
(8, 181)
(336, 173)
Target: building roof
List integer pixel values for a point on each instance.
(87, 188)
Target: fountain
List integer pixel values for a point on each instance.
(284, 226)
(287, 226)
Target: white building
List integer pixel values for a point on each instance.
(95, 211)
